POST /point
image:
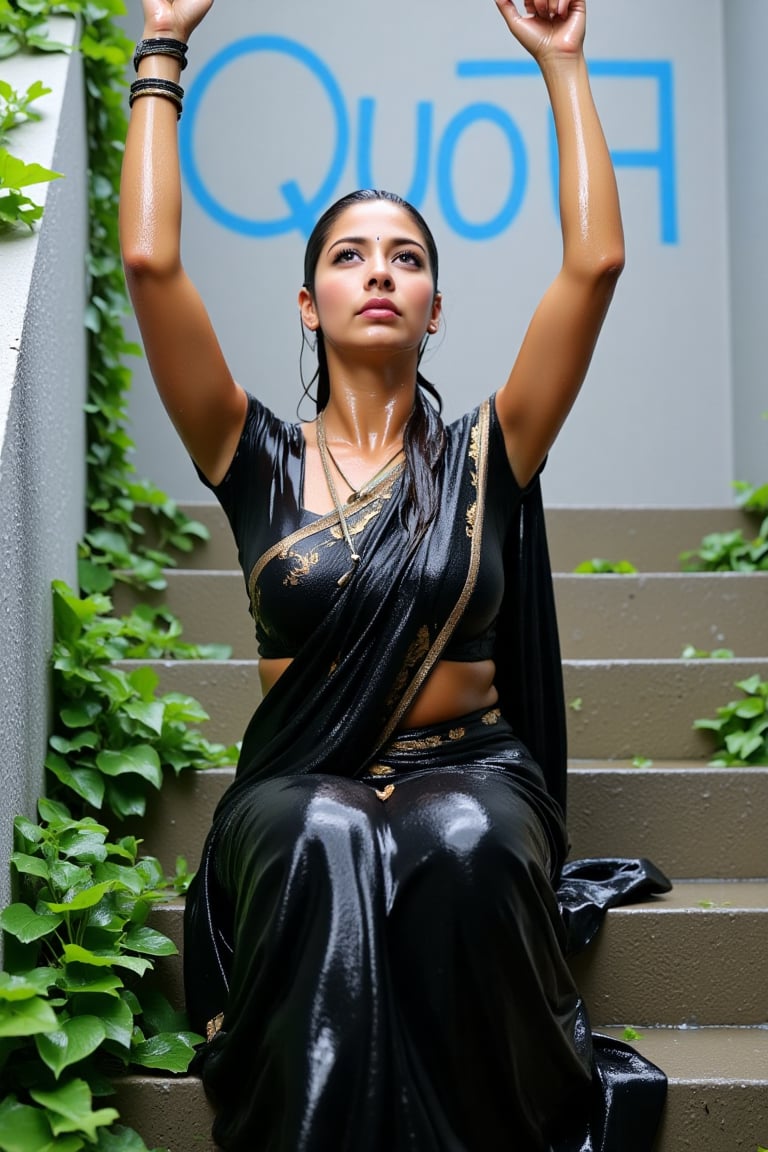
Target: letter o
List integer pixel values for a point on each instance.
(302, 209)
(474, 114)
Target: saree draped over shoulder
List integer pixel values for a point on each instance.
(376, 940)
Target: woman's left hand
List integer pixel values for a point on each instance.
(547, 27)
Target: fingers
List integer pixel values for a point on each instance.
(547, 9)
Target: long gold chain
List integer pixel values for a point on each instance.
(326, 458)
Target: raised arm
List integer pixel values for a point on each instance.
(561, 337)
(205, 404)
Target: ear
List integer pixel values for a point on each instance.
(309, 317)
(434, 319)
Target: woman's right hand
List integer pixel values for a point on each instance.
(174, 18)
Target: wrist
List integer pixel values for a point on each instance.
(562, 64)
(166, 31)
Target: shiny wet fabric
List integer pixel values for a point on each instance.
(390, 970)
(399, 980)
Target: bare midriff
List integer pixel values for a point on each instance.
(453, 688)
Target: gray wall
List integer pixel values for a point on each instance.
(42, 442)
(670, 411)
(746, 30)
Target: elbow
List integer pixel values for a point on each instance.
(609, 266)
(142, 264)
(600, 275)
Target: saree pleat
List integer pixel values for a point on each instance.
(377, 914)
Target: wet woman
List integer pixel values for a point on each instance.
(373, 940)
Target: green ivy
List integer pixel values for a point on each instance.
(606, 567)
(73, 1008)
(752, 498)
(729, 552)
(114, 735)
(15, 206)
(690, 652)
(741, 727)
(73, 1011)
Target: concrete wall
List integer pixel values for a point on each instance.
(746, 30)
(670, 412)
(42, 437)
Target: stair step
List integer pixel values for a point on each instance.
(651, 538)
(687, 969)
(622, 617)
(626, 708)
(660, 962)
(718, 1085)
(690, 819)
(664, 962)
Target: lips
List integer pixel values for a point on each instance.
(379, 307)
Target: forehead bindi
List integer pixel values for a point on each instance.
(375, 222)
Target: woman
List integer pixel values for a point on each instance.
(373, 939)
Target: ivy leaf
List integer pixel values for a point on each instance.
(750, 708)
(52, 811)
(141, 760)
(70, 1109)
(26, 1017)
(14, 173)
(84, 782)
(113, 1012)
(24, 1128)
(149, 713)
(74, 1041)
(119, 1139)
(124, 878)
(170, 1051)
(27, 925)
(26, 985)
(30, 865)
(88, 898)
(77, 979)
(76, 954)
(124, 799)
(150, 942)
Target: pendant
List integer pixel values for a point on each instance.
(345, 579)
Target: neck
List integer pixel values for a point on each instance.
(368, 409)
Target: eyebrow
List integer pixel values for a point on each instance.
(394, 242)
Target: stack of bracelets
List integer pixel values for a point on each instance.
(154, 86)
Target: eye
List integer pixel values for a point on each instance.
(346, 256)
(412, 257)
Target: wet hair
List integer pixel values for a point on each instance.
(424, 433)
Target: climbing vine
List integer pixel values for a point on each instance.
(73, 1008)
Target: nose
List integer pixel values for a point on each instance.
(379, 272)
(380, 279)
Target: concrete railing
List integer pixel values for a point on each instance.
(43, 380)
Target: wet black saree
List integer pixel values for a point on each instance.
(380, 922)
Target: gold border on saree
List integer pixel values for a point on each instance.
(478, 454)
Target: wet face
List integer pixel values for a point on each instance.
(374, 288)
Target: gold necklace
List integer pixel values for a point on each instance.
(357, 493)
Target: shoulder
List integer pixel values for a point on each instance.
(480, 431)
(265, 438)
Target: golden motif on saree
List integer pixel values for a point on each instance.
(477, 453)
(364, 513)
(417, 650)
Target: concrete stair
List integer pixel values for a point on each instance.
(687, 971)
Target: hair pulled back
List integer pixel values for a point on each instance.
(424, 433)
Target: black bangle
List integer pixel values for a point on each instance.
(150, 86)
(161, 46)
